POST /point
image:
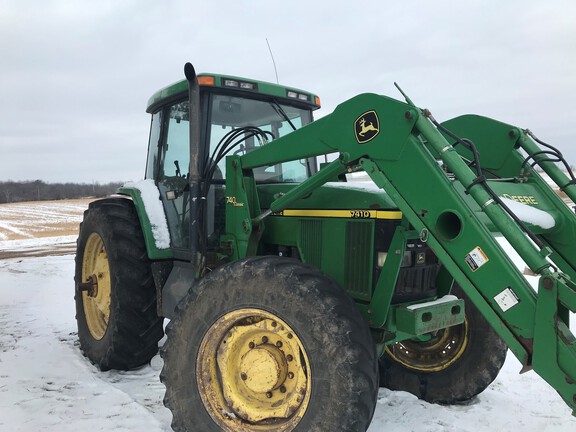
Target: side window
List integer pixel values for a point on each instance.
(153, 146)
(176, 157)
(173, 173)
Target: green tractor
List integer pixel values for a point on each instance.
(292, 293)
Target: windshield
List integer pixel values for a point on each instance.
(230, 112)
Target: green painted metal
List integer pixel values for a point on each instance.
(560, 238)
(154, 253)
(331, 196)
(379, 308)
(452, 267)
(176, 89)
(554, 344)
(454, 213)
(304, 188)
(242, 206)
(180, 89)
(550, 168)
(426, 318)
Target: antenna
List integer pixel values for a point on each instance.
(273, 62)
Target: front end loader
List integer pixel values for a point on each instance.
(292, 292)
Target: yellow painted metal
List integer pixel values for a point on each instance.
(349, 214)
(435, 355)
(263, 368)
(96, 306)
(253, 373)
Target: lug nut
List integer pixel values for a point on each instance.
(282, 389)
(289, 357)
(290, 336)
(243, 376)
(264, 339)
(279, 344)
(291, 375)
(251, 345)
(269, 395)
(274, 323)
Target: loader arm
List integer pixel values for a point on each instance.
(429, 177)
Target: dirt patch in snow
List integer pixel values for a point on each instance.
(31, 228)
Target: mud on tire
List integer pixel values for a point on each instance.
(118, 326)
(233, 317)
(456, 365)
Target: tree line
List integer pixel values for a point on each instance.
(18, 191)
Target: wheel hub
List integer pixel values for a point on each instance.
(90, 286)
(252, 370)
(96, 289)
(434, 355)
(263, 369)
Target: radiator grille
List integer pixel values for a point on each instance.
(358, 259)
(311, 241)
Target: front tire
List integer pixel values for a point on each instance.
(455, 365)
(118, 326)
(269, 344)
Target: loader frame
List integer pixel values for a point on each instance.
(456, 219)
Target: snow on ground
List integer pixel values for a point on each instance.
(45, 382)
(40, 228)
(39, 219)
(47, 385)
(38, 246)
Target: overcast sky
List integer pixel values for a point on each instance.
(75, 75)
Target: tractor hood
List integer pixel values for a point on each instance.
(365, 200)
(346, 197)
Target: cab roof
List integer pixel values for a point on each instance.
(208, 81)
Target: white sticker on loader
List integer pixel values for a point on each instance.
(476, 258)
(507, 299)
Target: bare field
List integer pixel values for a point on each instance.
(40, 227)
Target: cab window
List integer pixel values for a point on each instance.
(230, 112)
(174, 172)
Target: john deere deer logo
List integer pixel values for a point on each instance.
(366, 127)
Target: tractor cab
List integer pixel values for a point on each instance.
(236, 116)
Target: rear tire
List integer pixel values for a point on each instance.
(118, 326)
(453, 367)
(269, 344)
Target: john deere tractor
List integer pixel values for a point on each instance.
(294, 293)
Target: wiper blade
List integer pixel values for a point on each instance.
(278, 108)
(280, 111)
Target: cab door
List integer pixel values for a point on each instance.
(173, 172)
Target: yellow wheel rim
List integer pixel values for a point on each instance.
(253, 373)
(95, 268)
(437, 354)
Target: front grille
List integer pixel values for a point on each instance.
(358, 259)
(311, 241)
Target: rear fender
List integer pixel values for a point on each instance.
(154, 252)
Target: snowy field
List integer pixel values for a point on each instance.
(47, 385)
(40, 228)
